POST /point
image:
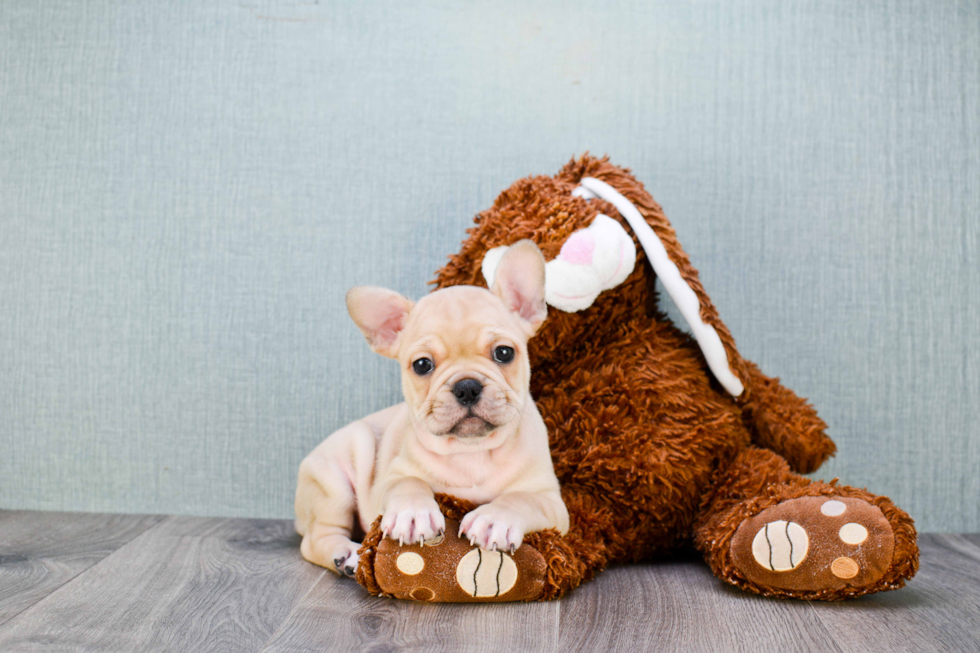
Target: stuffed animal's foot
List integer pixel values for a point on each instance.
(816, 547)
(447, 569)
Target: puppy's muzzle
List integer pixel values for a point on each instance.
(467, 391)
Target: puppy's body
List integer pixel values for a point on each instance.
(468, 427)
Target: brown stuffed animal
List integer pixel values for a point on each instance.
(658, 438)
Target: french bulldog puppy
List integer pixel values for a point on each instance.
(468, 426)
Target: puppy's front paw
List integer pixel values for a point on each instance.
(412, 521)
(493, 529)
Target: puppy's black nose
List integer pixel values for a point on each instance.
(467, 391)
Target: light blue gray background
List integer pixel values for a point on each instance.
(187, 190)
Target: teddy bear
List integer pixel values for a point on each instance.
(661, 438)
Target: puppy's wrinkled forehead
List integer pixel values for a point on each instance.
(460, 316)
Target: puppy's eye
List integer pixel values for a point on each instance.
(503, 354)
(422, 366)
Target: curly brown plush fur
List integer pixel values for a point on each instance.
(651, 452)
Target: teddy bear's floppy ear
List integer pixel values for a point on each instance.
(518, 280)
(381, 315)
(677, 287)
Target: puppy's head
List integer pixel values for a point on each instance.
(462, 350)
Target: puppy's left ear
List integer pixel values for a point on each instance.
(519, 283)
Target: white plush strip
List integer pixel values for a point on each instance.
(677, 288)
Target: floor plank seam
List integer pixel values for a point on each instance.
(289, 614)
(10, 623)
(827, 630)
(965, 538)
(68, 581)
(556, 639)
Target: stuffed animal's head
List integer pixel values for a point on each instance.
(596, 243)
(596, 279)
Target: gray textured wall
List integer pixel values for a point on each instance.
(187, 189)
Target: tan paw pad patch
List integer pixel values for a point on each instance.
(780, 546)
(833, 508)
(410, 563)
(844, 568)
(483, 573)
(435, 540)
(853, 533)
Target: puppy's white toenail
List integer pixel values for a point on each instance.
(780, 545)
(410, 563)
(853, 533)
(833, 508)
(844, 568)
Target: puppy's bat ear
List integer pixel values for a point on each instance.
(381, 315)
(519, 283)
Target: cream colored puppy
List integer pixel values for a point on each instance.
(468, 426)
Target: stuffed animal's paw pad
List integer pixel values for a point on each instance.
(447, 568)
(814, 544)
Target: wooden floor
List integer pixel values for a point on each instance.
(138, 583)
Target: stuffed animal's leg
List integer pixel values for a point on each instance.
(776, 533)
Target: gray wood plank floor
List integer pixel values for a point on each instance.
(41, 551)
(137, 583)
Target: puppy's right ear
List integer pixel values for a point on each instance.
(381, 315)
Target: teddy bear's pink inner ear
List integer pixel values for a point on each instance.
(579, 248)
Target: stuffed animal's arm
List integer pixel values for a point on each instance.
(784, 422)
